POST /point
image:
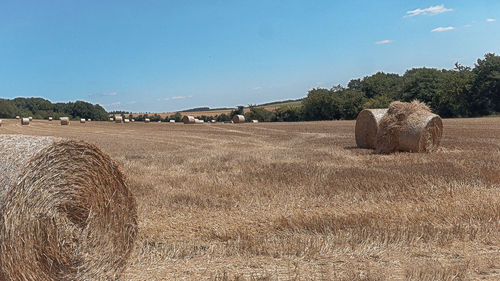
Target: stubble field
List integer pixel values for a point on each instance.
(298, 201)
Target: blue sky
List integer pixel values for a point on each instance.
(161, 56)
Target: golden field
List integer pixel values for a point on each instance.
(211, 113)
(298, 201)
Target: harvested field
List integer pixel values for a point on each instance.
(299, 201)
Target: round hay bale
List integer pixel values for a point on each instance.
(409, 127)
(30, 118)
(111, 119)
(198, 121)
(366, 129)
(126, 120)
(25, 121)
(64, 121)
(82, 120)
(188, 119)
(255, 121)
(213, 121)
(89, 120)
(50, 118)
(1, 123)
(147, 120)
(133, 120)
(66, 212)
(238, 118)
(118, 119)
(172, 121)
(18, 117)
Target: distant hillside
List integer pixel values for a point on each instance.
(282, 103)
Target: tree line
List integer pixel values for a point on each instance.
(459, 92)
(40, 108)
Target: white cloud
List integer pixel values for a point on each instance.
(431, 11)
(112, 94)
(491, 20)
(174, 98)
(131, 102)
(257, 88)
(441, 29)
(114, 104)
(383, 42)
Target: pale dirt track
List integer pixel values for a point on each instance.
(298, 201)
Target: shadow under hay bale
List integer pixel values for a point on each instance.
(66, 213)
(409, 127)
(366, 129)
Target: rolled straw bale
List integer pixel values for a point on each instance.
(126, 120)
(213, 121)
(64, 121)
(198, 121)
(118, 119)
(1, 123)
(255, 121)
(132, 120)
(111, 119)
(25, 121)
(18, 117)
(50, 118)
(171, 121)
(147, 120)
(409, 127)
(367, 126)
(30, 118)
(89, 120)
(82, 120)
(239, 119)
(188, 119)
(66, 212)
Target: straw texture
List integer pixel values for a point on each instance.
(239, 119)
(367, 126)
(64, 121)
(409, 127)
(66, 213)
(188, 119)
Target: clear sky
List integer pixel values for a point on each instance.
(161, 56)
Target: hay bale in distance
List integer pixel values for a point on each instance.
(366, 129)
(89, 120)
(18, 117)
(1, 123)
(82, 120)
(132, 120)
(255, 121)
(118, 119)
(188, 119)
(409, 127)
(238, 118)
(198, 121)
(30, 118)
(171, 121)
(25, 121)
(213, 121)
(67, 213)
(147, 120)
(50, 118)
(111, 119)
(64, 121)
(126, 120)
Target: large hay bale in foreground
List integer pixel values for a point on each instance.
(64, 121)
(25, 121)
(188, 119)
(367, 124)
(66, 213)
(409, 127)
(238, 118)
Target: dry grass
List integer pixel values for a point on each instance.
(298, 201)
